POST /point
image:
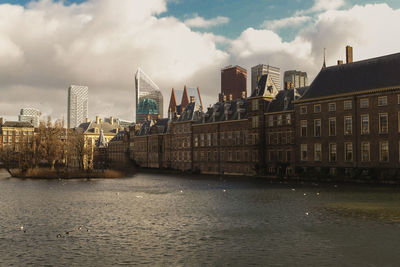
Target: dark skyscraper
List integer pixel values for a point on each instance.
(233, 83)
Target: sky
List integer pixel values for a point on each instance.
(47, 45)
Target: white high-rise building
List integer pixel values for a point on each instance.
(78, 105)
(262, 69)
(31, 115)
(149, 99)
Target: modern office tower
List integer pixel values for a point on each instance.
(233, 83)
(31, 115)
(295, 79)
(78, 105)
(149, 99)
(260, 70)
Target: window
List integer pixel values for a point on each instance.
(271, 121)
(279, 120)
(383, 123)
(196, 141)
(332, 153)
(280, 155)
(365, 151)
(5, 139)
(303, 152)
(398, 99)
(382, 101)
(332, 106)
(348, 151)
(348, 125)
(332, 126)
(288, 119)
(365, 124)
(317, 108)
(384, 151)
(202, 140)
(255, 105)
(303, 131)
(215, 137)
(209, 139)
(347, 104)
(317, 128)
(271, 155)
(288, 155)
(364, 103)
(303, 110)
(317, 152)
(255, 122)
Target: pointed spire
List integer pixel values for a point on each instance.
(324, 65)
(101, 142)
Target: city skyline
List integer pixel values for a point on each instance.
(196, 50)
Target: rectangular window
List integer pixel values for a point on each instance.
(303, 130)
(317, 152)
(332, 106)
(209, 139)
(382, 101)
(348, 125)
(303, 110)
(364, 103)
(398, 99)
(280, 155)
(348, 151)
(255, 105)
(365, 124)
(271, 121)
(365, 154)
(255, 122)
(215, 137)
(383, 123)
(288, 119)
(196, 141)
(317, 128)
(317, 108)
(332, 126)
(288, 155)
(332, 153)
(347, 105)
(384, 151)
(303, 152)
(279, 120)
(202, 140)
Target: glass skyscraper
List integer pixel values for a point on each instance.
(31, 115)
(78, 107)
(149, 99)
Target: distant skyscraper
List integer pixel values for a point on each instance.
(296, 78)
(149, 99)
(78, 107)
(233, 82)
(260, 70)
(31, 115)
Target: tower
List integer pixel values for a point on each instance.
(78, 105)
(262, 69)
(233, 82)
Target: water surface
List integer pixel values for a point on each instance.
(158, 219)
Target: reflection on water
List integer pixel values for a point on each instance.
(154, 219)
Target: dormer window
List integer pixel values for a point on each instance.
(285, 102)
(96, 130)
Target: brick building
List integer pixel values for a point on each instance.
(233, 83)
(349, 119)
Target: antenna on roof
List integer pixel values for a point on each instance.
(324, 65)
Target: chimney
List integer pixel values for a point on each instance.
(87, 120)
(112, 120)
(224, 98)
(340, 62)
(243, 94)
(230, 97)
(97, 119)
(349, 54)
(101, 121)
(192, 99)
(1, 121)
(148, 117)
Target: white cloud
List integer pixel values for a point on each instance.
(295, 21)
(370, 29)
(100, 44)
(200, 22)
(323, 5)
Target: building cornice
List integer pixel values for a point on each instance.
(219, 122)
(371, 91)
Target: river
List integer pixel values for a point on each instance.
(160, 219)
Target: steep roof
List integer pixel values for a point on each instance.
(118, 137)
(226, 111)
(354, 77)
(89, 127)
(265, 87)
(17, 124)
(279, 103)
(191, 112)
